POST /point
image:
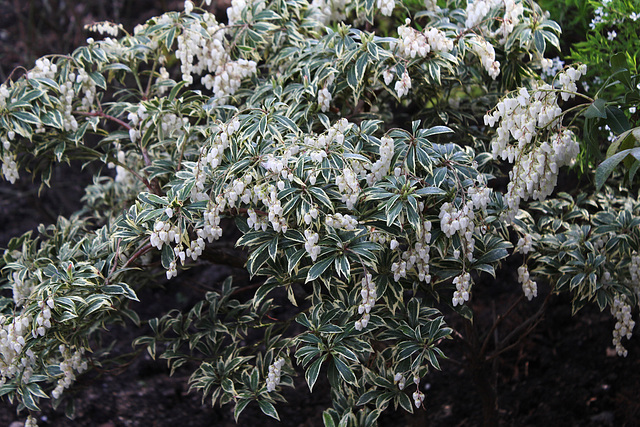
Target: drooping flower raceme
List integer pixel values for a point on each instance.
(205, 52)
(487, 55)
(463, 288)
(529, 287)
(621, 310)
(543, 145)
(412, 43)
(369, 295)
(275, 371)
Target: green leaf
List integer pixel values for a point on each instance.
(617, 120)
(273, 248)
(262, 292)
(596, 109)
(117, 67)
(327, 419)
(539, 41)
(29, 400)
(167, 256)
(368, 397)
(492, 256)
(311, 375)
(7, 388)
(268, 409)
(242, 403)
(322, 197)
(318, 268)
(352, 80)
(361, 66)
(345, 372)
(25, 116)
(606, 168)
(405, 402)
(345, 352)
(620, 68)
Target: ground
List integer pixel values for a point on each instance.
(564, 373)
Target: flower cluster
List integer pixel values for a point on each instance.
(412, 43)
(75, 83)
(10, 168)
(386, 6)
(461, 221)
(416, 257)
(398, 379)
(273, 377)
(22, 288)
(339, 220)
(349, 187)
(369, 295)
(14, 361)
(311, 244)
(43, 320)
(529, 287)
(71, 364)
(324, 99)
(164, 232)
(521, 117)
(487, 54)
(621, 310)
(203, 51)
(418, 396)
(329, 10)
(380, 168)
(551, 67)
(477, 11)
(525, 244)
(104, 27)
(463, 287)
(403, 85)
(238, 7)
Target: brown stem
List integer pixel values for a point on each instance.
(143, 250)
(480, 373)
(153, 185)
(529, 324)
(104, 116)
(497, 323)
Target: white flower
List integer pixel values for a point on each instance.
(621, 310)
(611, 35)
(403, 85)
(386, 6)
(273, 377)
(324, 99)
(634, 16)
(463, 286)
(387, 75)
(188, 6)
(487, 55)
(10, 168)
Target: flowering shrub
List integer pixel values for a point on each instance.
(328, 149)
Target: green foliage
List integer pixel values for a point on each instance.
(355, 170)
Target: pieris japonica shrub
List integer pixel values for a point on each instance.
(353, 147)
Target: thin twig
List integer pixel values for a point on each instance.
(104, 116)
(497, 323)
(530, 324)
